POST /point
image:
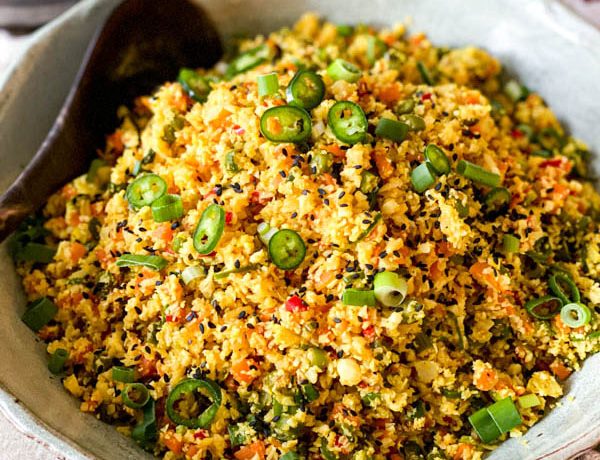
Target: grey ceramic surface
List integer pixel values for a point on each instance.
(545, 45)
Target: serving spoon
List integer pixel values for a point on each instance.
(142, 44)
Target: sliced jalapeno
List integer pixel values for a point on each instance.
(144, 190)
(546, 307)
(497, 199)
(286, 124)
(209, 229)
(347, 122)
(188, 387)
(248, 60)
(194, 84)
(306, 90)
(287, 249)
(135, 395)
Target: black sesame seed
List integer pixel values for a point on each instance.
(212, 325)
(201, 327)
(342, 193)
(337, 320)
(242, 314)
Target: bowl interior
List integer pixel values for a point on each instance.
(537, 40)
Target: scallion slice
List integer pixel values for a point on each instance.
(546, 307)
(528, 401)
(478, 174)
(391, 129)
(343, 70)
(515, 91)
(36, 252)
(167, 207)
(575, 314)
(505, 415)
(510, 243)
(390, 288)
(268, 84)
(424, 72)
(359, 297)
(189, 274)
(145, 432)
(497, 200)
(556, 283)
(39, 313)
(422, 177)
(135, 395)
(414, 122)
(484, 426)
(437, 159)
(244, 269)
(188, 388)
(57, 360)
(123, 374)
(133, 260)
(265, 232)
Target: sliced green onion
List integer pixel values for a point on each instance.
(144, 190)
(123, 374)
(546, 307)
(375, 48)
(528, 401)
(370, 228)
(422, 342)
(484, 426)
(39, 313)
(189, 274)
(343, 70)
(437, 159)
(425, 75)
(145, 432)
(230, 165)
(515, 91)
(287, 249)
(244, 269)
(370, 398)
(404, 107)
(95, 166)
(290, 456)
(167, 207)
(187, 388)
(505, 415)
(542, 153)
(318, 357)
(248, 60)
(555, 281)
(359, 297)
(57, 361)
(140, 260)
(422, 177)
(497, 199)
(265, 232)
(451, 394)
(135, 395)
(510, 243)
(209, 229)
(194, 84)
(310, 392)
(477, 173)
(36, 252)
(321, 162)
(390, 288)
(368, 182)
(575, 314)
(268, 84)
(344, 30)
(414, 122)
(237, 437)
(391, 129)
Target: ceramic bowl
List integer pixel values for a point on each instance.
(540, 41)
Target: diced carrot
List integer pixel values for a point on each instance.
(221, 120)
(77, 251)
(173, 444)
(390, 94)
(434, 271)
(328, 179)
(463, 452)
(487, 380)
(68, 192)
(163, 232)
(241, 371)
(384, 167)
(484, 274)
(335, 150)
(254, 451)
(472, 98)
(560, 370)
(416, 39)
(146, 367)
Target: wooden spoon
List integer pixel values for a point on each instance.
(142, 44)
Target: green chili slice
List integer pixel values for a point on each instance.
(546, 307)
(145, 432)
(286, 124)
(437, 159)
(556, 283)
(35, 252)
(144, 190)
(135, 395)
(318, 357)
(422, 177)
(287, 249)
(209, 229)
(140, 260)
(414, 122)
(244, 269)
(321, 162)
(347, 122)
(57, 360)
(359, 297)
(343, 70)
(186, 389)
(391, 129)
(497, 199)
(575, 314)
(39, 313)
(306, 90)
(510, 243)
(368, 182)
(477, 173)
(167, 207)
(194, 84)
(268, 84)
(123, 374)
(248, 60)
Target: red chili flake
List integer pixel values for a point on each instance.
(200, 434)
(554, 162)
(238, 130)
(426, 97)
(294, 304)
(169, 318)
(516, 133)
(369, 332)
(228, 217)
(255, 197)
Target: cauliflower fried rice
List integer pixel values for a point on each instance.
(205, 344)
